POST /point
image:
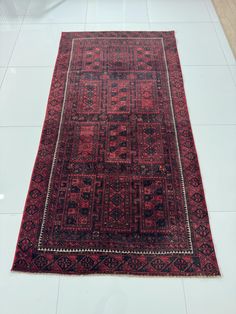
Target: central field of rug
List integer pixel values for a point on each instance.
(116, 186)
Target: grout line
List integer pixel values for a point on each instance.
(181, 22)
(222, 211)
(5, 71)
(213, 124)
(11, 54)
(223, 51)
(11, 213)
(208, 5)
(14, 46)
(204, 65)
(219, 41)
(27, 10)
(231, 72)
(207, 9)
(86, 15)
(53, 23)
(118, 22)
(185, 298)
(124, 8)
(31, 66)
(58, 294)
(148, 15)
(20, 126)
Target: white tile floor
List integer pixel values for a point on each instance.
(29, 36)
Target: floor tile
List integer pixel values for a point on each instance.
(56, 11)
(233, 72)
(18, 151)
(14, 8)
(112, 11)
(136, 27)
(117, 27)
(24, 95)
(2, 73)
(22, 293)
(225, 44)
(37, 44)
(197, 43)
(12, 11)
(110, 294)
(217, 296)
(9, 19)
(211, 94)
(177, 11)
(106, 11)
(216, 147)
(9, 228)
(8, 36)
(136, 11)
(104, 27)
(212, 11)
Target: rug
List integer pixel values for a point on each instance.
(116, 186)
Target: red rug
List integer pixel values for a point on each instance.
(116, 187)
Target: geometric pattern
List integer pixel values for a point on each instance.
(150, 146)
(116, 185)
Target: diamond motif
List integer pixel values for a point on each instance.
(116, 199)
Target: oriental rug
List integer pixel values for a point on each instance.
(116, 187)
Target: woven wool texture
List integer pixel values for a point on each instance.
(116, 186)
